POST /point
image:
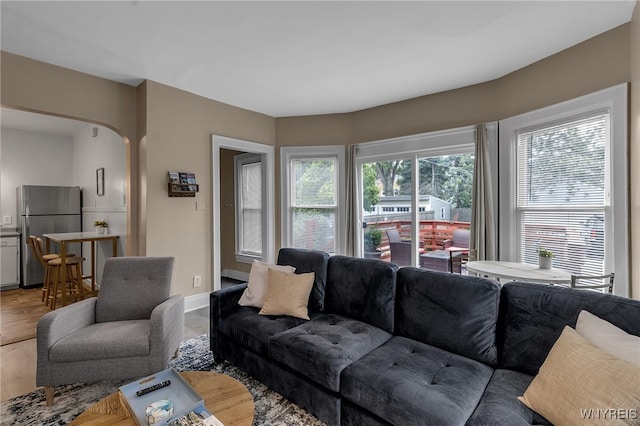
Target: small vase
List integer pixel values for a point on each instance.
(101, 230)
(544, 262)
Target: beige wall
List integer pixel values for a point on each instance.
(179, 128)
(171, 130)
(634, 157)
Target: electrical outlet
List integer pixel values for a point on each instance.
(7, 220)
(197, 281)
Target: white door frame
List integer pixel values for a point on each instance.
(223, 142)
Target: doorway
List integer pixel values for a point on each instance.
(222, 147)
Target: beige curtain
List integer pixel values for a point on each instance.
(350, 199)
(483, 217)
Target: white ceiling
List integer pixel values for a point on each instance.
(303, 57)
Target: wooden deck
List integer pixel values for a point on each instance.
(433, 233)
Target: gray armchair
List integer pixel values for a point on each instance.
(132, 329)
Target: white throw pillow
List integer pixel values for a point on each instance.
(258, 281)
(609, 338)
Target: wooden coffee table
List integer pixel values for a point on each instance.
(225, 397)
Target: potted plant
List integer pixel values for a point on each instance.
(372, 239)
(101, 226)
(544, 258)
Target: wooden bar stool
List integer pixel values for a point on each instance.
(37, 248)
(74, 288)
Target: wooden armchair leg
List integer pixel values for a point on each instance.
(49, 392)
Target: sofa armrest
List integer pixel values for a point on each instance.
(167, 327)
(222, 303)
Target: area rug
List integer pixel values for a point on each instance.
(71, 400)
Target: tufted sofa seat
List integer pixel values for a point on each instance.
(408, 346)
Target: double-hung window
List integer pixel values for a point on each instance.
(312, 198)
(563, 185)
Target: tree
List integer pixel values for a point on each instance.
(315, 182)
(387, 171)
(370, 191)
(449, 177)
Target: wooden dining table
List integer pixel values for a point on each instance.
(80, 237)
(513, 271)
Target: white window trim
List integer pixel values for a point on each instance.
(268, 242)
(614, 99)
(287, 154)
(239, 161)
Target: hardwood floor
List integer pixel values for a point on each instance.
(18, 360)
(20, 310)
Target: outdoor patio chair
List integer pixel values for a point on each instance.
(400, 250)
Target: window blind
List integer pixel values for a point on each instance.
(562, 192)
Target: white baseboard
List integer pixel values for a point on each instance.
(196, 301)
(236, 275)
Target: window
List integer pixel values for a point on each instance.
(312, 194)
(567, 191)
(249, 218)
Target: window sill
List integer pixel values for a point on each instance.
(246, 258)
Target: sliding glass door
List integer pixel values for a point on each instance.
(411, 203)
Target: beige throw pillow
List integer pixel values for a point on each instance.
(288, 294)
(256, 289)
(609, 338)
(581, 384)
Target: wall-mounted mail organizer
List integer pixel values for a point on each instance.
(182, 184)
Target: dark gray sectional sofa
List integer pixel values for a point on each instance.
(405, 346)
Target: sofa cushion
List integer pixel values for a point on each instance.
(578, 376)
(532, 317)
(406, 382)
(252, 330)
(309, 261)
(104, 340)
(321, 348)
(363, 289)
(499, 404)
(288, 294)
(454, 312)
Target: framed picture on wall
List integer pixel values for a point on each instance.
(100, 181)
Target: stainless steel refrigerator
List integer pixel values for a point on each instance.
(46, 210)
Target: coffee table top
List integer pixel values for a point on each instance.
(225, 397)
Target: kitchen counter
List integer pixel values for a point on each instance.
(9, 232)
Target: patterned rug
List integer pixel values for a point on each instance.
(71, 400)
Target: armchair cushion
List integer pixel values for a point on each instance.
(122, 298)
(117, 339)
